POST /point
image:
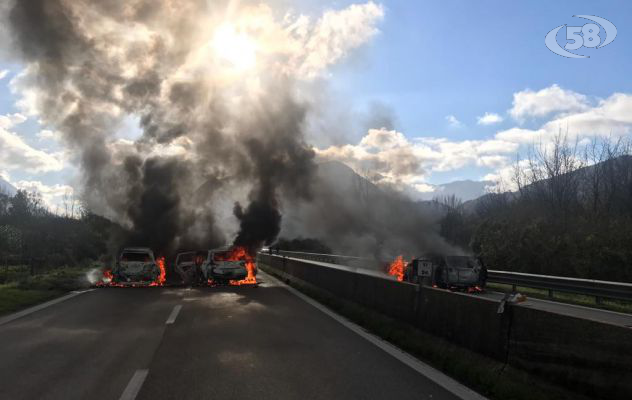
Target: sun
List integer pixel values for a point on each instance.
(233, 47)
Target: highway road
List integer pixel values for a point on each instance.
(200, 343)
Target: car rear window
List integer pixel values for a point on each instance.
(221, 256)
(186, 257)
(136, 257)
(461, 262)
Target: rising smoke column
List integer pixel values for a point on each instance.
(216, 89)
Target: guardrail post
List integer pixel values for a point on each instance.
(598, 300)
(513, 288)
(550, 293)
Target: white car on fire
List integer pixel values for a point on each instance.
(224, 265)
(136, 265)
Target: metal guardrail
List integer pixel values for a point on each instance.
(588, 287)
(350, 261)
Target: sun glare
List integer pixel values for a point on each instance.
(235, 48)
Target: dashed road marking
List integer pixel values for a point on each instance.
(174, 314)
(134, 385)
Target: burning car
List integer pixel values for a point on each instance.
(232, 265)
(188, 265)
(139, 266)
(448, 272)
(226, 265)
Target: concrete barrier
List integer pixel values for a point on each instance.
(587, 356)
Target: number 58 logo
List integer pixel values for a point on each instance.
(582, 36)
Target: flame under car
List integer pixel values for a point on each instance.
(226, 265)
(136, 265)
(229, 265)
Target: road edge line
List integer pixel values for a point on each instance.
(31, 310)
(438, 377)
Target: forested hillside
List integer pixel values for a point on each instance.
(31, 235)
(570, 215)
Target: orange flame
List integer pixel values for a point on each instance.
(397, 268)
(162, 277)
(475, 289)
(239, 253)
(106, 280)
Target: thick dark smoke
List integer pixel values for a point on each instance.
(220, 154)
(353, 216)
(89, 75)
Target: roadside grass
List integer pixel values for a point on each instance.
(487, 376)
(21, 290)
(14, 299)
(569, 298)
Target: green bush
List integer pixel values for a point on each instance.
(65, 279)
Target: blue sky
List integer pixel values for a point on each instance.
(432, 61)
(464, 58)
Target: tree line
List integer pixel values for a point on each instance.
(570, 213)
(31, 235)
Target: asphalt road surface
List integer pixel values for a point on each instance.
(206, 343)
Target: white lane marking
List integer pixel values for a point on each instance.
(31, 310)
(134, 385)
(174, 314)
(449, 384)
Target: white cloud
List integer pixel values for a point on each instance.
(519, 135)
(489, 119)
(552, 99)
(394, 159)
(3, 74)
(453, 121)
(389, 157)
(333, 35)
(10, 120)
(611, 116)
(16, 154)
(47, 134)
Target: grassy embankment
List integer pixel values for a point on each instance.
(19, 290)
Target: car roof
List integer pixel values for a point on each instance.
(137, 250)
(224, 248)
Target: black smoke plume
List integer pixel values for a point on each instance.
(197, 149)
(220, 154)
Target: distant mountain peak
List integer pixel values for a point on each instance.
(7, 188)
(464, 190)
